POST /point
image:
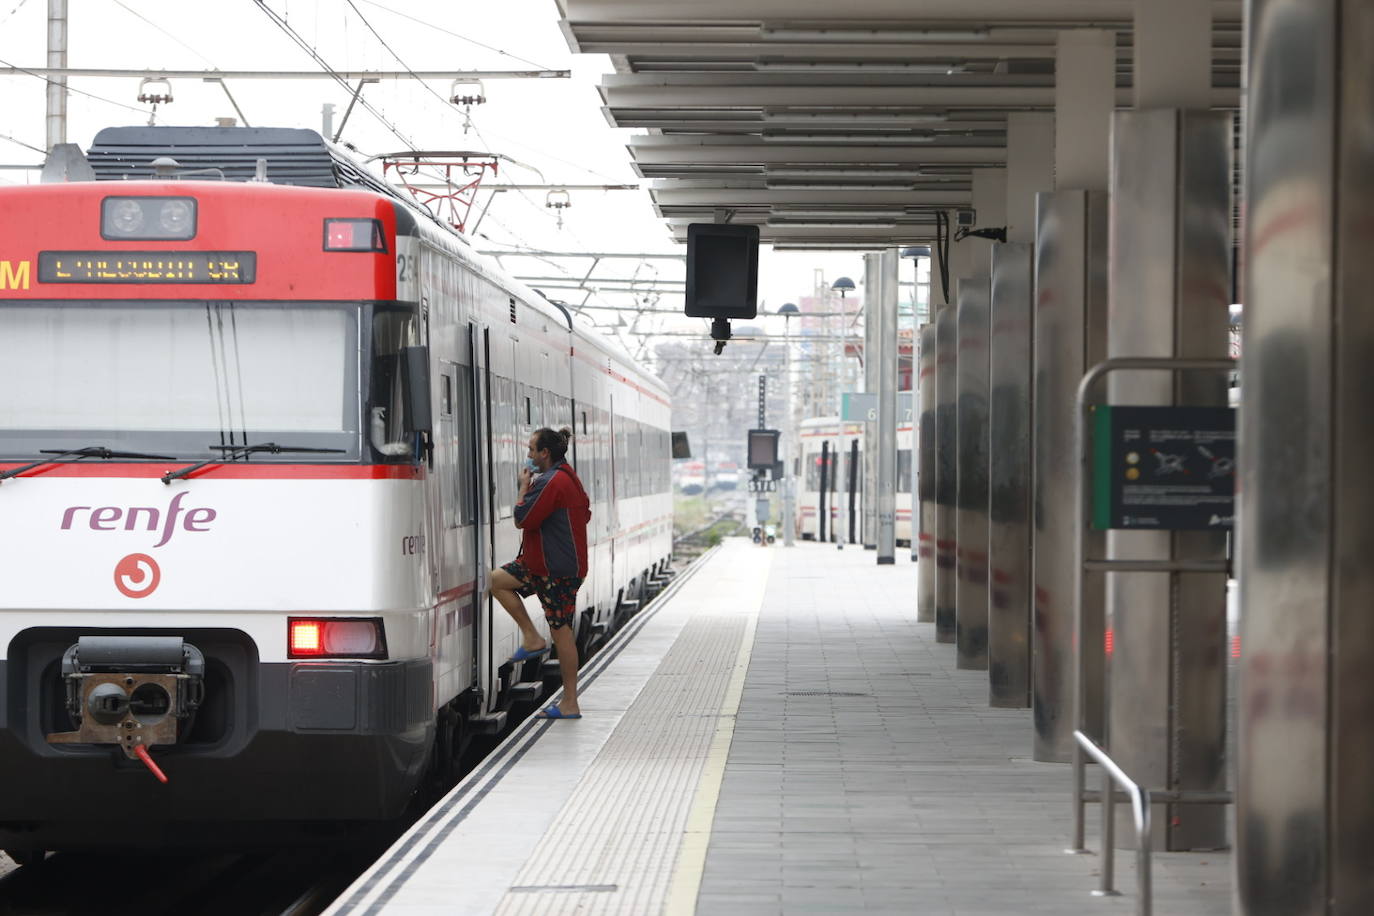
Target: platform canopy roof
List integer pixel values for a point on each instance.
(838, 123)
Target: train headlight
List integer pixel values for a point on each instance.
(123, 217)
(346, 637)
(176, 217)
(166, 218)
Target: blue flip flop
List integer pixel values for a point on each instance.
(523, 655)
(553, 712)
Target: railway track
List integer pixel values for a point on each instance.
(299, 882)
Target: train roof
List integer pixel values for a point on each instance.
(304, 158)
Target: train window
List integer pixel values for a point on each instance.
(464, 437)
(391, 331)
(904, 470)
(505, 435)
(446, 395)
(584, 423)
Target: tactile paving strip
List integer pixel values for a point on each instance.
(613, 846)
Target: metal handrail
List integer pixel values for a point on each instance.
(1140, 798)
(1140, 808)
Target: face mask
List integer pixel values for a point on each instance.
(531, 466)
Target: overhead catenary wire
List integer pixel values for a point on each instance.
(137, 14)
(460, 37)
(99, 98)
(317, 58)
(16, 9)
(36, 149)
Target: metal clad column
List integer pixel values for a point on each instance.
(873, 284)
(1070, 334)
(925, 480)
(1305, 785)
(1009, 477)
(1170, 282)
(946, 463)
(886, 491)
(971, 518)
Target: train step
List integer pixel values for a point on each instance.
(551, 668)
(489, 724)
(526, 691)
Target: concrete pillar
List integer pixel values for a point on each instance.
(885, 495)
(1168, 296)
(923, 505)
(873, 294)
(1009, 476)
(1084, 96)
(1305, 786)
(971, 518)
(1069, 337)
(1030, 170)
(1173, 54)
(57, 85)
(946, 461)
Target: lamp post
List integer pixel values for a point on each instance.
(842, 285)
(789, 522)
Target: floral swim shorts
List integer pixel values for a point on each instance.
(557, 594)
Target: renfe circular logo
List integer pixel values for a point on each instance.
(137, 575)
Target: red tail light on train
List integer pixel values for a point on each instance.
(349, 637)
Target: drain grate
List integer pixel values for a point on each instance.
(564, 888)
(824, 693)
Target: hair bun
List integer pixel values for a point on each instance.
(566, 433)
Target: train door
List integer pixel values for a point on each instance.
(487, 533)
(613, 490)
(433, 511)
(476, 510)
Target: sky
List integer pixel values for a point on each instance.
(555, 128)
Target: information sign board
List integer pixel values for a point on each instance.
(1164, 468)
(862, 407)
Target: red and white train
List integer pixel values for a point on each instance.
(259, 446)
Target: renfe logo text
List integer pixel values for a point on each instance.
(141, 518)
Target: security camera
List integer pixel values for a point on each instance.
(965, 218)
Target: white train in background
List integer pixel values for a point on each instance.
(690, 477)
(827, 449)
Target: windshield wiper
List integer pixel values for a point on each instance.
(234, 451)
(76, 454)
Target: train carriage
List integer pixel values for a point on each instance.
(826, 448)
(258, 450)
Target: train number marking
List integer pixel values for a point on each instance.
(12, 277)
(405, 267)
(137, 575)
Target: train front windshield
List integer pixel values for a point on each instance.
(179, 378)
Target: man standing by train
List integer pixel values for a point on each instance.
(552, 512)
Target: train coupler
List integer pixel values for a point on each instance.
(131, 691)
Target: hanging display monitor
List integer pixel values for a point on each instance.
(722, 271)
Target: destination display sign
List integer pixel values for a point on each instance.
(147, 266)
(1164, 468)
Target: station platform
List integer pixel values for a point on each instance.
(774, 734)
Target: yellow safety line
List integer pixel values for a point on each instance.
(691, 858)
